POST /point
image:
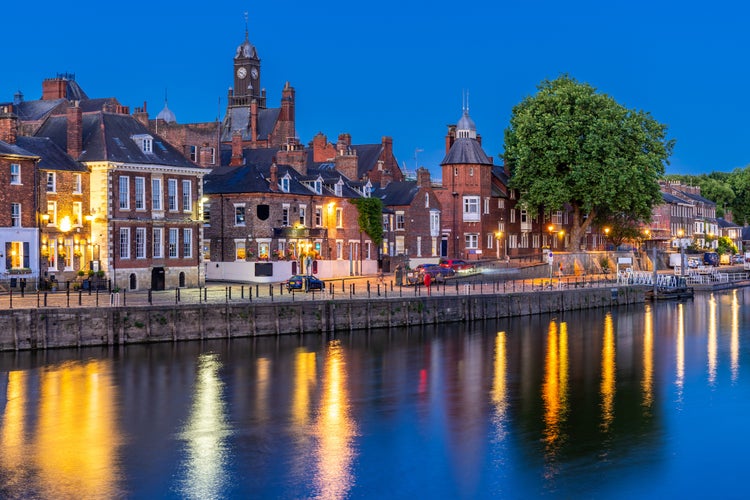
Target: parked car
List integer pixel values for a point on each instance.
(738, 259)
(436, 272)
(304, 282)
(457, 265)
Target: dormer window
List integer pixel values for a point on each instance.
(338, 188)
(367, 191)
(318, 186)
(285, 183)
(145, 142)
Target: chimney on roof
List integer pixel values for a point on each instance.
(386, 178)
(450, 138)
(75, 131)
(293, 154)
(54, 88)
(237, 158)
(274, 182)
(254, 121)
(423, 177)
(8, 125)
(322, 151)
(141, 114)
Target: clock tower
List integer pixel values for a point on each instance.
(247, 76)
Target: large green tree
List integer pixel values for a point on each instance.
(569, 145)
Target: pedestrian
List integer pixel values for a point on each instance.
(427, 282)
(560, 267)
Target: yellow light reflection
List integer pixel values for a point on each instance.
(77, 440)
(607, 386)
(205, 432)
(680, 350)
(555, 391)
(647, 384)
(712, 339)
(499, 385)
(13, 431)
(263, 384)
(334, 430)
(304, 381)
(734, 345)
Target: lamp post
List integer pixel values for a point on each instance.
(681, 233)
(606, 237)
(498, 237)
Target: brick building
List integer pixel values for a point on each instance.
(411, 224)
(145, 214)
(478, 208)
(19, 234)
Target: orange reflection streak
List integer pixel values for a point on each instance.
(555, 389)
(77, 441)
(499, 384)
(263, 384)
(680, 349)
(205, 433)
(607, 386)
(647, 384)
(712, 340)
(304, 381)
(13, 430)
(734, 346)
(334, 429)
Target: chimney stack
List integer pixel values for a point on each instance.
(423, 177)
(274, 182)
(75, 131)
(8, 125)
(237, 158)
(54, 88)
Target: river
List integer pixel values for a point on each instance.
(648, 401)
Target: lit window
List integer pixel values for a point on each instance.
(239, 250)
(339, 217)
(77, 213)
(52, 212)
(78, 185)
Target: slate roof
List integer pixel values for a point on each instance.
(34, 110)
(397, 193)
(725, 224)
(14, 150)
(466, 151)
(108, 137)
(746, 233)
(697, 197)
(53, 157)
(668, 198)
(239, 119)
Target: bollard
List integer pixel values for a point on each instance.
(10, 293)
(97, 297)
(205, 294)
(175, 296)
(270, 289)
(242, 292)
(80, 297)
(150, 298)
(67, 297)
(37, 298)
(45, 299)
(124, 297)
(250, 293)
(179, 295)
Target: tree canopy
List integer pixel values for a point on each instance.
(569, 145)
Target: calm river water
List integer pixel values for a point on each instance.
(644, 402)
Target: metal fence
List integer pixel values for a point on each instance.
(341, 289)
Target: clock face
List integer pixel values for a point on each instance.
(254, 73)
(241, 73)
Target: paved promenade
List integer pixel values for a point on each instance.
(365, 288)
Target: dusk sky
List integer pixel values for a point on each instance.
(399, 68)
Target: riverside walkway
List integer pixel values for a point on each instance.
(350, 288)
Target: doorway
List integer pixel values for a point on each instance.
(157, 278)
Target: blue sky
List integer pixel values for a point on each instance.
(399, 68)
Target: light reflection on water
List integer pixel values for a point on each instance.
(205, 435)
(620, 403)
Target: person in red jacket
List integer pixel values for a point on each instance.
(427, 282)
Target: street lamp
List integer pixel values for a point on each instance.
(498, 236)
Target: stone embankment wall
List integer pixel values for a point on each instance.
(24, 329)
